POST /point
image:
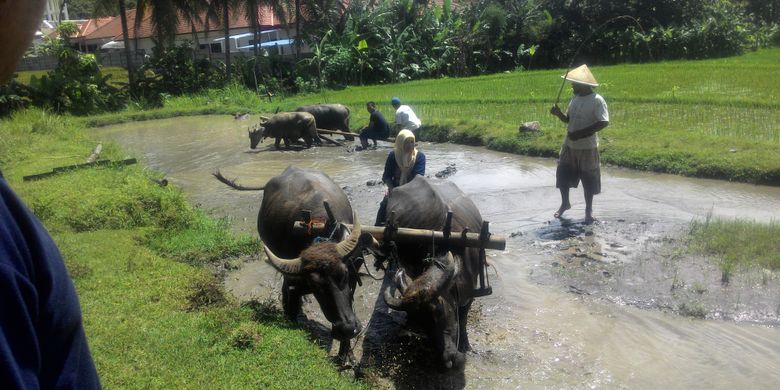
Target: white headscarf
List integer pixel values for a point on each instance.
(404, 160)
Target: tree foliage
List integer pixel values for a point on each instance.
(76, 85)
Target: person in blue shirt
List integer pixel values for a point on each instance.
(377, 127)
(42, 341)
(403, 163)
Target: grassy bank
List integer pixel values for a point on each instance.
(154, 316)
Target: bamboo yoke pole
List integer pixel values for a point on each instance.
(494, 241)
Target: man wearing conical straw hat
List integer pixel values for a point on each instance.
(579, 160)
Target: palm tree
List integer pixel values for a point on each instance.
(104, 5)
(251, 8)
(164, 19)
(191, 12)
(223, 7)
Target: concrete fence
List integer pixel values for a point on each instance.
(114, 58)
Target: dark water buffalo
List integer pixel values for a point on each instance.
(436, 288)
(288, 126)
(328, 269)
(329, 116)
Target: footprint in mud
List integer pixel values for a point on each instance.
(565, 230)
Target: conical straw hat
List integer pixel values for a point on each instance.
(581, 75)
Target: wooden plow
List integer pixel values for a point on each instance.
(391, 232)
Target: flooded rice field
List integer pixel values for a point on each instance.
(573, 305)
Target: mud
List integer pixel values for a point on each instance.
(614, 304)
(648, 265)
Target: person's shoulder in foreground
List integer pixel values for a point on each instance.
(42, 341)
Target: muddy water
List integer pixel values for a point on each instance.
(533, 331)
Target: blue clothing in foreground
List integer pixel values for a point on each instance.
(392, 172)
(42, 341)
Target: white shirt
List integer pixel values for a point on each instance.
(584, 111)
(405, 117)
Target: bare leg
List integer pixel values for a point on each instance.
(565, 205)
(589, 207)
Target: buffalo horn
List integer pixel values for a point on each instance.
(447, 274)
(287, 267)
(347, 246)
(391, 301)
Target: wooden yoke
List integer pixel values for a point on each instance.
(484, 237)
(390, 232)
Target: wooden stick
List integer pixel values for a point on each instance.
(331, 141)
(326, 131)
(67, 168)
(417, 235)
(95, 153)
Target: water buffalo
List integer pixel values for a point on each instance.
(326, 269)
(329, 116)
(288, 126)
(436, 284)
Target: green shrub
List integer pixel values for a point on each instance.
(173, 71)
(13, 96)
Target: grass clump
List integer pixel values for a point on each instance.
(206, 291)
(265, 311)
(204, 240)
(737, 243)
(246, 336)
(693, 310)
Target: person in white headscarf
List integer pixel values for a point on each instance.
(403, 163)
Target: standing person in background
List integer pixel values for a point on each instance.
(405, 118)
(403, 163)
(377, 127)
(579, 160)
(42, 341)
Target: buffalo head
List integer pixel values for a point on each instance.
(428, 299)
(329, 270)
(258, 133)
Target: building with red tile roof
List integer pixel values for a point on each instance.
(96, 33)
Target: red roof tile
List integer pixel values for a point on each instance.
(237, 20)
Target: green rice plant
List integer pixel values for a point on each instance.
(737, 243)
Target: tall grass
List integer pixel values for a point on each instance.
(737, 243)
